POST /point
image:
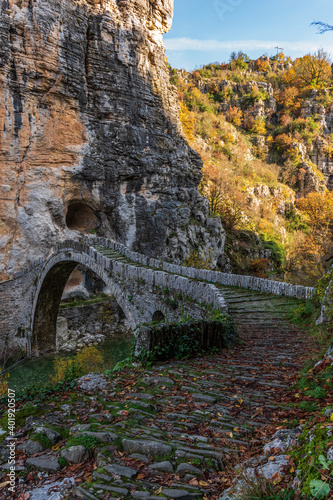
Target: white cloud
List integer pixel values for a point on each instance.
(187, 44)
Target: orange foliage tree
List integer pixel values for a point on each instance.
(307, 254)
(311, 71)
(288, 100)
(235, 116)
(262, 65)
(186, 118)
(318, 209)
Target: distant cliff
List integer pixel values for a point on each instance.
(90, 138)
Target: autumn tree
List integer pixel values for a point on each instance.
(258, 126)
(318, 209)
(262, 65)
(235, 116)
(187, 121)
(312, 71)
(239, 60)
(288, 99)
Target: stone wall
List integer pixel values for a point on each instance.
(87, 324)
(205, 334)
(252, 282)
(16, 297)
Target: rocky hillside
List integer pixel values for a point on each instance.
(90, 137)
(264, 131)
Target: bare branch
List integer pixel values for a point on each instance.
(322, 27)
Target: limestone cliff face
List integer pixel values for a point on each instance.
(89, 120)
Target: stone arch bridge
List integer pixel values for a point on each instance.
(141, 285)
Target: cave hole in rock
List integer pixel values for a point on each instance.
(158, 317)
(80, 217)
(75, 309)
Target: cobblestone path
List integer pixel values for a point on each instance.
(173, 430)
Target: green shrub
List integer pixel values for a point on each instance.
(85, 440)
(182, 343)
(42, 439)
(306, 312)
(278, 252)
(62, 462)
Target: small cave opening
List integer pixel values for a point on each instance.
(80, 217)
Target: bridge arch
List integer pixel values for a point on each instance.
(158, 317)
(48, 292)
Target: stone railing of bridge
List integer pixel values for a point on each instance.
(236, 280)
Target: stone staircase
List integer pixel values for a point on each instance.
(252, 308)
(248, 307)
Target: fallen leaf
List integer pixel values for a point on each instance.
(158, 491)
(271, 459)
(2, 485)
(56, 446)
(140, 476)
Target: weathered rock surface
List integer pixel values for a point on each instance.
(89, 323)
(48, 463)
(31, 447)
(165, 466)
(75, 454)
(53, 436)
(60, 490)
(121, 470)
(92, 383)
(89, 130)
(154, 448)
(283, 439)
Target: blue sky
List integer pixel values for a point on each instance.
(206, 31)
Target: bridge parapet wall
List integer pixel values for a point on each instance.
(251, 282)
